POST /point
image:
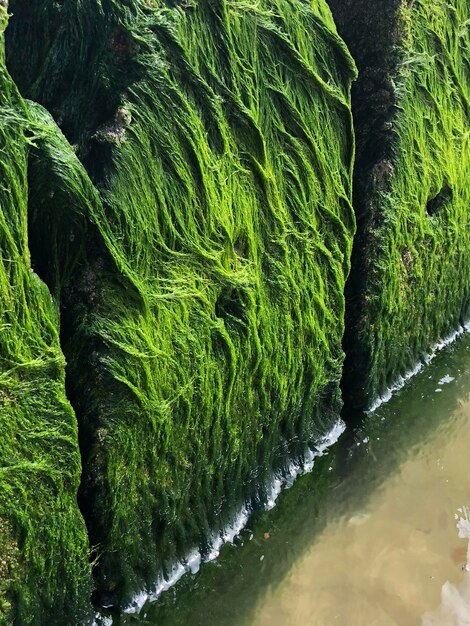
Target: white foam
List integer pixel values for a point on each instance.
(399, 384)
(194, 562)
(137, 603)
(298, 468)
(402, 380)
(463, 523)
(330, 438)
(228, 534)
(99, 620)
(445, 380)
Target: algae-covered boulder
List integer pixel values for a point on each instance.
(44, 570)
(203, 324)
(410, 278)
(189, 257)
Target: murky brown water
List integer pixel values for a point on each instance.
(385, 564)
(369, 538)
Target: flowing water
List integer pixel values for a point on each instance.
(376, 535)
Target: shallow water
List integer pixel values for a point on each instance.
(368, 538)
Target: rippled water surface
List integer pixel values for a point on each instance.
(370, 537)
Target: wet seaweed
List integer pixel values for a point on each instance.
(203, 322)
(409, 284)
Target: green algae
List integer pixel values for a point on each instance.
(203, 323)
(199, 280)
(44, 571)
(201, 292)
(410, 280)
(9, 568)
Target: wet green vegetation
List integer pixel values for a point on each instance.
(183, 242)
(410, 278)
(202, 319)
(342, 484)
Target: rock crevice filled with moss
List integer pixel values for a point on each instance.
(203, 312)
(410, 279)
(44, 552)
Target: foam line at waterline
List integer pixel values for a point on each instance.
(402, 380)
(194, 559)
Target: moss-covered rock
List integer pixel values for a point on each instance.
(44, 570)
(200, 289)
(203, 326)
(410, 278)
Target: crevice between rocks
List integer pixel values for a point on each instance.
(371, 33)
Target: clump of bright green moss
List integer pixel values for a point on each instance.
(9, 568)
(410, 279)
(203, 325)
(44, 570)
(198, 281)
